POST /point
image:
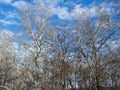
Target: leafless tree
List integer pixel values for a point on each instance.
(94, 36)
(34, 23)
(83, 55)
(8, 68)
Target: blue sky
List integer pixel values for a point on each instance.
(62, 10)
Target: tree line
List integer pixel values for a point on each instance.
(83, 54)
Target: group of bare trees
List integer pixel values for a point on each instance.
(81, 55)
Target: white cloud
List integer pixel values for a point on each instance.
(80, 11)
(9, 14)
(6, 1)
(62, 12)
(84, 11)
(20, 4)
(8, 17)
(91, 11)
(52, 3)
(7, 22)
